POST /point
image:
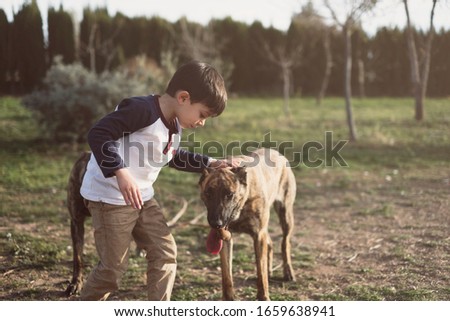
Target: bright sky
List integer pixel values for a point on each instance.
(276, 13)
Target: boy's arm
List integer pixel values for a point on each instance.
(187, 161)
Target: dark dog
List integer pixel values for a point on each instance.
(239, 200)
(78, 213)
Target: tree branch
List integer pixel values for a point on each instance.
(180, 213)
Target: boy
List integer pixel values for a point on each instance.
(129, 147)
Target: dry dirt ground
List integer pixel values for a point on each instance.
(359, 236)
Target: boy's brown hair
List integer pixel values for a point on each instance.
(204, 84)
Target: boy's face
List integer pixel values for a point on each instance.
(192, 115)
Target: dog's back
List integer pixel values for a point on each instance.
(269, 174)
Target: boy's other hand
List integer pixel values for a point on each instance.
(129, 188)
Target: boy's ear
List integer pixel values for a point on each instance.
(183, 96)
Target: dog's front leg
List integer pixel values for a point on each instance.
(226, 259)
(260, 244)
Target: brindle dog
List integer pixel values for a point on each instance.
(240, 199)
(78, 213)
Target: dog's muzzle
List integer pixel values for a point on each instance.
(215, 221)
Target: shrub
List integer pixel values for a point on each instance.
(72, 98)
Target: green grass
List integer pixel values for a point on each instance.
(28, 250)
(397, 169)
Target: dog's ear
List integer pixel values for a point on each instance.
(241, 174)
(205, 173)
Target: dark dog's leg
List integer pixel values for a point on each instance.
(77, 233)
(286, 216)
(226, 260)
(78, 213)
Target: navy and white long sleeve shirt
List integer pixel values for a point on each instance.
(137, 136)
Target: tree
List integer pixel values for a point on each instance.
(360, 51)
(309, 27)
(419, 78)
(61, 35)
(4, 57)
(158, 37)
(353, 14)
(200, 43)
(28, 46)
(261, 73)
(388, 65)
(328, 66)
(285, 57)
(238, 53)
(98, 33)
(439, 80)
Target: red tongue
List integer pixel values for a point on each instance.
(214, 243)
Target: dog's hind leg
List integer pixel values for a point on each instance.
(77, 233)
(78, 213)
(286, 215)
(269, 255)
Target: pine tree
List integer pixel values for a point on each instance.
(28, 46)
(4, 43)
(61, 36)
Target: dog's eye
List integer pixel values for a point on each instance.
(229, 195)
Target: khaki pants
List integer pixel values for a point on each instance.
(114, 228)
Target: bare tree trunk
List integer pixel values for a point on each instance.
(91, 47)
(353, 16)
(76, 29)
(285, 61)
(286, 88)
(427, 59)
(328, 66)
(110, 57)
(419, 82)
(361, 78)
(348, 83)
(414, 64)
(419, 100)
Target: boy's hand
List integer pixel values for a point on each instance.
(217, 163)
(129, 188)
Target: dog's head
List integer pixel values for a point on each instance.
(224, 192)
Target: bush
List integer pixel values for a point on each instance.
(72, 98)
